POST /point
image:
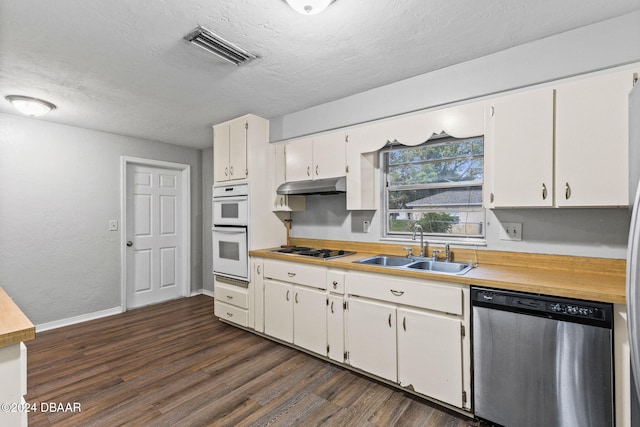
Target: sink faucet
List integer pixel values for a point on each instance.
(447, 253)
(418, 227)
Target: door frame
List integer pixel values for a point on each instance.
(185, 175)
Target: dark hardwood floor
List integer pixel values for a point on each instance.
(175, 364)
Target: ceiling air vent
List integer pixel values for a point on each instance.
(218, 46)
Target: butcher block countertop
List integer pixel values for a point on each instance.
(594, 279)
(15, 327)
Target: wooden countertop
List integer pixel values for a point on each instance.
(15, 327)
(594, 279)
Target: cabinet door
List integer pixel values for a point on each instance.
(310, 319)
(238, 149)
(298, 160)
(335, 327)
(519, 138)
(258, 291)
(430, 355)
(221, 153)
(283, 203)
(278, 310)
(592, 141)
(329, 155)
(371, 337)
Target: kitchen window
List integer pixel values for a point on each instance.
(438, 185)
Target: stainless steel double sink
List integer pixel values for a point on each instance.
(416, 263)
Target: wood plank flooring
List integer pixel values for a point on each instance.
(174, 364)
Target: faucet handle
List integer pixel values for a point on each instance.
(410, 251)
(435, 253)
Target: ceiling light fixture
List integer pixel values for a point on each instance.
(309, 7)
(220, 47)
(29, 106)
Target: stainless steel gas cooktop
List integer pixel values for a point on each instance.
(313, 252)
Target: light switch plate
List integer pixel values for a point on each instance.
(511, 231)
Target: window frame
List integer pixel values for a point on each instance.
(433, 237)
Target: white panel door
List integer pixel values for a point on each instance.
(278, 310)
(154, 235)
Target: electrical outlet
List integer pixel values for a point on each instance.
(511, 231)
(366, 226)
(113, 225)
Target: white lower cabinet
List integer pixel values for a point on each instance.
(278, 310)
(430, 355)
(406, 331)
(371, 337)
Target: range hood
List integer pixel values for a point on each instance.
(316, 186)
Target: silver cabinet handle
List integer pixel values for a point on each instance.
(567, 191)
(404, 323)
(291, 274)
(296, 298)
(492, 111)
(332, 307)
(287, 295)
(491, 197)
(316, 170)
(129, 243)
(308, 170)
(335, 284)
(281, 200)
(226, 171)
(231, 170)
(258, 269)
(397, 293)
(544, 191)
(389, 319)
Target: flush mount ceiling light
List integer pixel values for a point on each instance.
(309, 7)
(215, 44)
(29, 106)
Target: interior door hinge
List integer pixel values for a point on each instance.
(462, 331)
(327, 349)
(346, 356)
(345, 305)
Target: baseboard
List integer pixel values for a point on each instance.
(78, 319)
(202, 292)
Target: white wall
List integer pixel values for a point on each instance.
(581, 232)
(207, 248)
(59, 187)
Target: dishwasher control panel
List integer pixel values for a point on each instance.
(543, 305)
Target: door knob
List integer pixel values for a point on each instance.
(129, 243)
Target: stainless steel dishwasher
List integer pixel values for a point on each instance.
(542, 361)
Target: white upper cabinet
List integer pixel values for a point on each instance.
(283, 203)
(322, 156)
(592, 141)
(230, 150)
(519, 150)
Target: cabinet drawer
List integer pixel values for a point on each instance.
(335, 281)
(231, 313)
(427, 294)
(293, 272)
(232, 295)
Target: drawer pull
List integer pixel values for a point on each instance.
(229, 314)
(229, 297)
(397, 293)
(335, 284)
(291, 274)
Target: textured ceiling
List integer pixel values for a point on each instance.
(122, 66)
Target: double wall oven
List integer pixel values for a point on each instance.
(230, 219)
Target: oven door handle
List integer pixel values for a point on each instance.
(230, 230)
(230, 199)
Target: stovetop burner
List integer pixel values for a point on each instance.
(313, 252)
